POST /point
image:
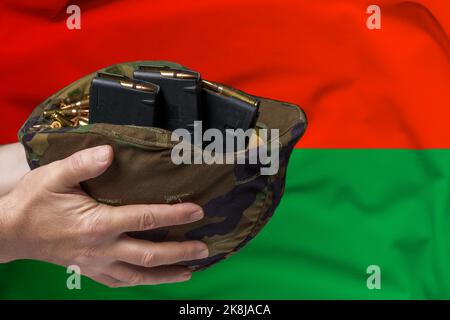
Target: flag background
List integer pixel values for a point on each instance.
(367, 184)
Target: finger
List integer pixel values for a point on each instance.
(82, 165)
(146, 217)
(108, 281)
(132, 275)
(151, 254)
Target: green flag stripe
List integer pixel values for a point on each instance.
(343, 211)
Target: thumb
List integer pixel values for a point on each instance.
(82, 165)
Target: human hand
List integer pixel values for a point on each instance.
(48, 217)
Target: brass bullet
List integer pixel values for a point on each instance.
(126, 84)
(176, 74)
(168, 73)
(76, 105)
(230, 93)
(143, 87)
(47, 113)
(55, 125)
(75, 122)
(182, 75)
(57, 116)
(66, 112)
(41, 126)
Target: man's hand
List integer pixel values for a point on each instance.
(48, 217)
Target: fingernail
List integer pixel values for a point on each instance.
(197, 215)
(102, 154)
(203, 253)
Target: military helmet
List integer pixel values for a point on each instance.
(236, 198)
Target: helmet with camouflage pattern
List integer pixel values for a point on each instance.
(237, 199)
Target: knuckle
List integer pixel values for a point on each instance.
(98, 224)
(95, 228)
(76, 162)
(148, 259)
(148, 220)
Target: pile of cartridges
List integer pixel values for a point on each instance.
(161, 97)
(67, 115)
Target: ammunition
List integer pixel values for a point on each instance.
(55, 125)
(66, 112)
(76, 105)
(75, 122)
(126, 84)
(57, 116)
(137, 86)
(143, 87)
(168, 73)
(68, 115)
(48, 113)
(178, 75)
(41, 126)
(231, 93)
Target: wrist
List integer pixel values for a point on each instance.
(8, 243)
(13, 166)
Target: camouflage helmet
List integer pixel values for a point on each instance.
(237, 199)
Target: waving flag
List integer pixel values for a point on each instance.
(368, 187)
